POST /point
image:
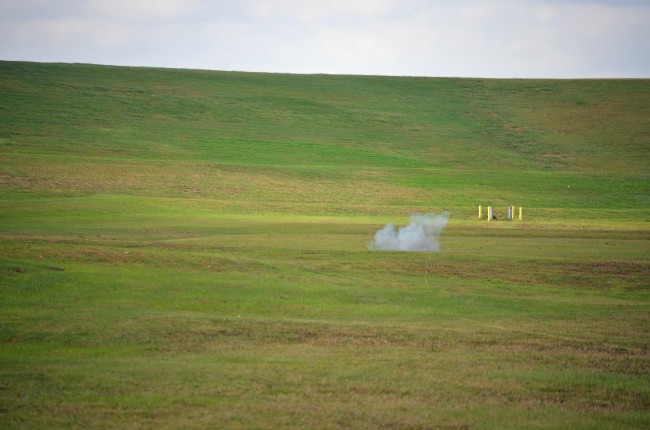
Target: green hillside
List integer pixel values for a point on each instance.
(189, 249)
(441, 143)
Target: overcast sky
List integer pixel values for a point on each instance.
(478, 38)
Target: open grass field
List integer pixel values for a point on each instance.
(189, 249)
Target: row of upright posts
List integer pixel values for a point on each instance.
(491, 216)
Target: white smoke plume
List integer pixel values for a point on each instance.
(421, 234)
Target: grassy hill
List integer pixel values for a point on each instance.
(442, 143)
(189, 249)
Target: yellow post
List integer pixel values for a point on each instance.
(489, 213)
(519, 213)
(479, 211)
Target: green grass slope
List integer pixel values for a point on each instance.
(446, 143)
(189, 249)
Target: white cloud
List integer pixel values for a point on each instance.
(94, 32)
(165, 10)
(310, 11)
(74, 32)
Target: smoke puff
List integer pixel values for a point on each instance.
(421, 234)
